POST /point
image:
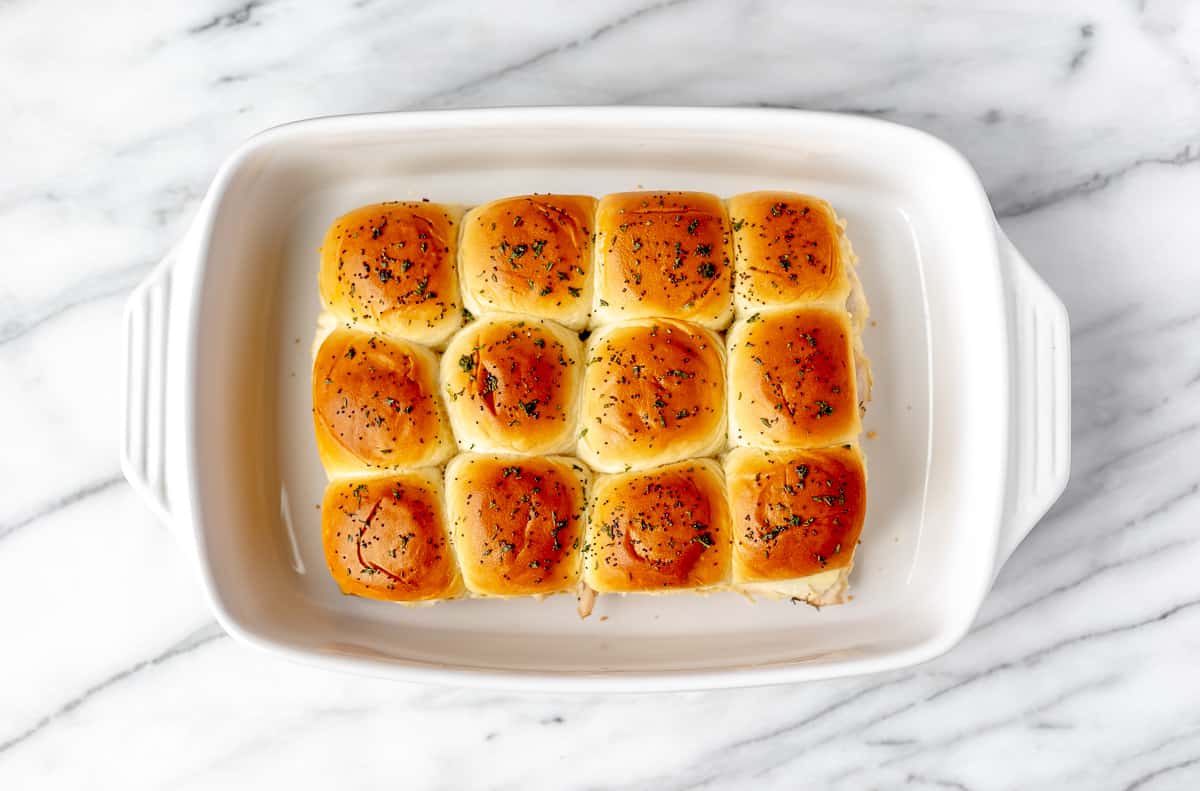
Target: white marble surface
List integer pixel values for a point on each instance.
(1083, 118)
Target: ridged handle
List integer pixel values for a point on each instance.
(1040, 462)
(144, 448)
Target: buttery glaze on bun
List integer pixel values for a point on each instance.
(792, 380)
(385, 538)
(518, 523)
(789, 250)
(512, 385)
(654, 392)
(659, 530)
(797, 516)
(376, 405)
(663, 254)
(530, 254)
(391, 267)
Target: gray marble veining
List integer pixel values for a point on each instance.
(1083, 118)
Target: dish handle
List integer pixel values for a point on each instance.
(144, 435)
(1041, 399)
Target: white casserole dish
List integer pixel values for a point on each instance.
(971, 401)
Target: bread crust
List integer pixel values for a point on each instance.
(376, 405)
(654, 393)
(792, 381)
(512, 384)
(390, 267)
(663, 254)
(659, 530)
(790, 250)
(796, 513)
(518, 523)
(385, 538)
(530, 254)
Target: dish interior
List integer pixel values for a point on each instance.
(937, 421)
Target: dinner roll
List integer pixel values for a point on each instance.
(376, 404)
(512, 385)
(663, 254)
(517, 522)
(530, 254)
(791, 379)
(789, 250)
(797, 516)
(659, 530)
(390, 267)
(385, 537)
(654, 392)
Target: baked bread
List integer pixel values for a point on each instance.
(512, 385)
(385, 537)
(655, 276)
(790, 250)
(517, 523)
(530, 254)
(653, 393)
(391, 267)
(659, 530)
(792, 379)
(663, 254)
(797, 516)
(376, 405)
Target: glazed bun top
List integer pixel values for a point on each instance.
(517, 522)
(789, 250)
(391, 267)
(654, 392)
(375, 403)
(512, 384)
(792, 379)
(659, 529)
(530, 254)
(795, 513)
(663, 254)
(386, 538)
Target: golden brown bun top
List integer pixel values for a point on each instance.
(788, 247)
(796, 513)
(517, 374)
(392, 261)
(520, 521)
(385, 538)
(654, 381)
(670, 253)
(530, 249)
(667, 527)
(793, 377)
(376, 397)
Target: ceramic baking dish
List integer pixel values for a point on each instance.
(970, 418)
